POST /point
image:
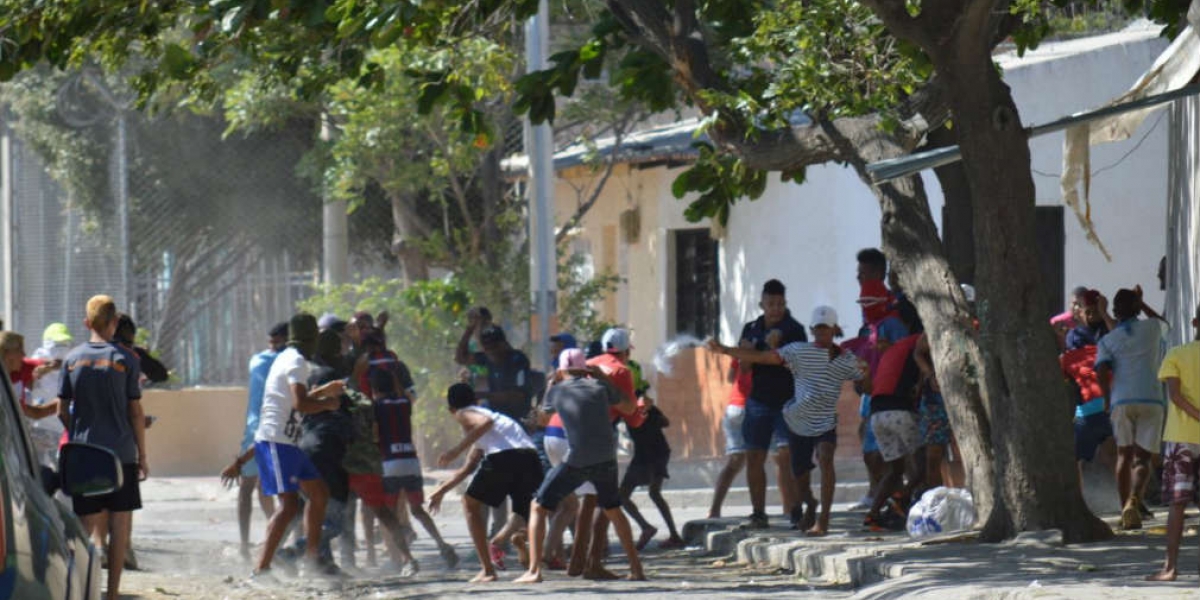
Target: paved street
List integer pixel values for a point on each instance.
(186, 539)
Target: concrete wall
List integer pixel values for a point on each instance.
(198, 431)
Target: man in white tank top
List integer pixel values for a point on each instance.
(508, 468)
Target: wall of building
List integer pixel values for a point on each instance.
(1129, 179)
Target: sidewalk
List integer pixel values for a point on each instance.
(892, 565)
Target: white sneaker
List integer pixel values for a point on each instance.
(862, 504)
(410, 569)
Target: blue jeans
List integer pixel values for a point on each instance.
(762, 423)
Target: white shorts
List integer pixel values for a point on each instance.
(898, 433)
(1140, 424)
(557, 450)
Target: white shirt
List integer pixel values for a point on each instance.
(278, 421)
(813, 411)
(505, 434)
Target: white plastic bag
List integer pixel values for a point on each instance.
(941, 510)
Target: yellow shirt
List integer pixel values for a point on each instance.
(1182, 363)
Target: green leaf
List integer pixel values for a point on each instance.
(177, 62)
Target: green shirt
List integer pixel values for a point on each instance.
(362, 455)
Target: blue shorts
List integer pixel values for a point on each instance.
(869, 443)
(282, 467)
(1090, 433)
(762, 424)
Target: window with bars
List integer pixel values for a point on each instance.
(697, 285)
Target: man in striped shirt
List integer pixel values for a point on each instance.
(819, 370)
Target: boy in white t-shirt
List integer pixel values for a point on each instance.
(509, 467)
(284, 469)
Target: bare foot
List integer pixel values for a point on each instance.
(816, 531)
(647, 535)
(484, 577)
(600, 574)
(529, 577)
(810, 516)
(1163, 575)
(636, 576)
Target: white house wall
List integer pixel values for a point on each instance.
(807, 235)
(1129, 199)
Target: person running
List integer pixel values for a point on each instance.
(260, 367)
(651, 454)
(1180, 370)
(819, 370)
(772, 386)
(584, 399)
(401, 467)
(284, 469)
(101, 404)
(1127, 360)
(364, 462)
(508, 468)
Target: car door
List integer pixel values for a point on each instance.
(41, 543)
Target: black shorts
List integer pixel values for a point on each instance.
(1090, 432)
(514, 474)
(646, 472)
(562, 481)
(126, 499)
(802, 448)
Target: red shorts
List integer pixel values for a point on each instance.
(369, 488)
(1181, 472)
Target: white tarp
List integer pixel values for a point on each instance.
(1175, 68)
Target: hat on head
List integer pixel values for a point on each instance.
(567, 340)
(57, 333)
(328, 321)
(615, 340)
(491, 334)
(824, 315)
(571, 358)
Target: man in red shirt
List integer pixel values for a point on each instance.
(22, 374)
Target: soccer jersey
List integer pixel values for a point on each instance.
(101, 380)
(278, 420)
(394, 417)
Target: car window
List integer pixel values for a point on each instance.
(11, 427)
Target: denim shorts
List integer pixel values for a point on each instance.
(762, 424)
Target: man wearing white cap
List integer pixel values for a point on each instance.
(819, 369)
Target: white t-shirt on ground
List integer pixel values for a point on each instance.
(278, 421)
(505, 434)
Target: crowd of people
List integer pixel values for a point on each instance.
(786, 391)
(329, 429)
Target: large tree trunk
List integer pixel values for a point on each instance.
(911, 241)
(409, 230)
(1031, 433)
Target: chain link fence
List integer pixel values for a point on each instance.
(206, 239)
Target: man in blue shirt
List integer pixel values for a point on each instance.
(1127, 361)
(260, 365)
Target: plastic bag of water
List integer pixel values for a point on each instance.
(941, 510)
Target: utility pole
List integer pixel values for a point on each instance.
(6, 224)
(336, 228)
(539, 147)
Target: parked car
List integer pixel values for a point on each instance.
(45, 553)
